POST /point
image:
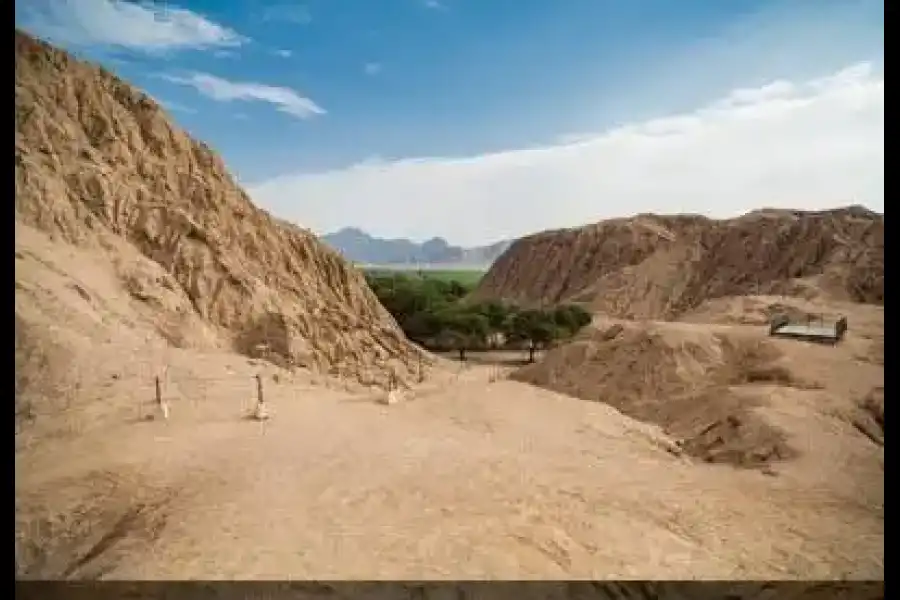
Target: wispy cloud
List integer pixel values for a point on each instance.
(297, 13)
(144, 27)
(434, 4)
(283, 53)
(285, 99)
(372, 68)
(800, 144)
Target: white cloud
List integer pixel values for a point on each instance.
(812, 144)
(433, 4)
(372, 68)
(117, 23)
(285, 99)
(283, 53)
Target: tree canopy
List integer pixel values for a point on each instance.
(437, 314)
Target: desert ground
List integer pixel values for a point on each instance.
(466, 477)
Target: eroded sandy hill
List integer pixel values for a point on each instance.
(662, 266)
(99, 165)
(709, 381)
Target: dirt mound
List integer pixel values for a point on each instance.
(99, 165)
(757, 310)
(661, 266)
(694, 384)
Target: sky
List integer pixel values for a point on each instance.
(482, 120)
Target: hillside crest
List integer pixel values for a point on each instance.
(100, 165)
(653, 266)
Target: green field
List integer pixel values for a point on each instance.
(466, 277)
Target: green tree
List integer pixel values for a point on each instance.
(570, 318)
(457, 290)
(404, 296)
(496, 313)
(464, 329)
(434, 311)
(537, 328)
(423, 326)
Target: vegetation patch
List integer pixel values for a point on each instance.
(435, 312)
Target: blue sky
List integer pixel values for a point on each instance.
(387, 114)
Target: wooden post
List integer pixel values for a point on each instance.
(163, 406)
(260, 414)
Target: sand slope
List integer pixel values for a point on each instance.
(99, 164)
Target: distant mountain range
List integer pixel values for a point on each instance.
(358, 246)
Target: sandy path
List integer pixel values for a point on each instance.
(477, 481)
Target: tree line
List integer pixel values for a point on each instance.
(436, 314)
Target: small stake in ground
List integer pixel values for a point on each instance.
(160, 402)
(261, 413)
(392, 396)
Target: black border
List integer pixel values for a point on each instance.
(452, 590)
